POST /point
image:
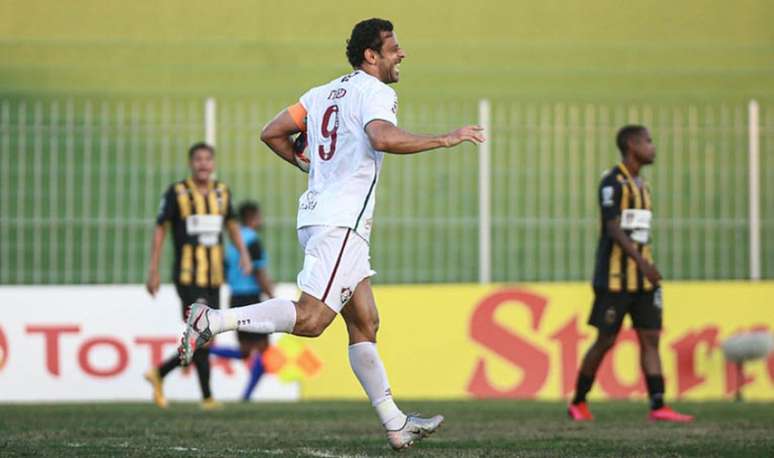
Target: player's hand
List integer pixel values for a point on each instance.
(245, 265)
(651, 273)
(154, 280)
(472, 134)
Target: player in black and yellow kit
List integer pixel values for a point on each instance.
(196, 210)
(626, 280)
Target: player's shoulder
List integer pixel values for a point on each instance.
(220, 186)
(375, 86)
(248, 234)
(178, 187)
(612, 177)
(361, 81)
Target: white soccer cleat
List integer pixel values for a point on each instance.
(415, 429)
(197, 332)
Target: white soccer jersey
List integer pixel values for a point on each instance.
(344, 166)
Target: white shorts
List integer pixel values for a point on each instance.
(336, 259)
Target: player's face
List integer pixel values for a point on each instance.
(644, 149)
(388, 61)
(202, 165)
(255, 221)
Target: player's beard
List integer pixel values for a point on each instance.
(392, 74)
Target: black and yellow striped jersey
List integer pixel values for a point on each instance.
(197, 221)
(627, 199)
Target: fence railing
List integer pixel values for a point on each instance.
(80, 181)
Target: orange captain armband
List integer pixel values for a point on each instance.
(298, 113)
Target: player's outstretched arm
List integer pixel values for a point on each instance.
(277, 135)
(384, 136)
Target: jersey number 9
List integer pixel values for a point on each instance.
(332, 111)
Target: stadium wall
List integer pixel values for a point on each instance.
(462, 341)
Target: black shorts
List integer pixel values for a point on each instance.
(609, 310)
(241, 301)
(190, 294)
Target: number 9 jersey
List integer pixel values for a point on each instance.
(344, 167)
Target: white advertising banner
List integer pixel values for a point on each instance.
(74, 343)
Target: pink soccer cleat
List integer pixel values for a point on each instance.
(667, 414)
(579, 412)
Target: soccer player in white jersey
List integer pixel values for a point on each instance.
(349, 123)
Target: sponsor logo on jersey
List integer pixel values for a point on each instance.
(607, 196)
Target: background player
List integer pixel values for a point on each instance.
(349, 123)
(196, 209)
(247, 289)
(625, 279)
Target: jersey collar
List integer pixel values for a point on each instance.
(194, 188)
(625, 171)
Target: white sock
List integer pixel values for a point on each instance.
(368, 368)
(274, 315)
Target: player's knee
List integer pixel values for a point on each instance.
(606, 341)
(309, 326)
(315, 328)
(312, 318)
(649, 340)
(372, 326)
(369, 329)
(362, 328)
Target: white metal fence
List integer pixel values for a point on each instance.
(80, 181)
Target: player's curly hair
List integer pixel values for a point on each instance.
(625, 134)
(366, 34)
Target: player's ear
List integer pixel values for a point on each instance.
(370, 56)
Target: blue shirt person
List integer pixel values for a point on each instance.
(248, 289)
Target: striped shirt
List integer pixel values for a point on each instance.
(197, 221)
(627, 199)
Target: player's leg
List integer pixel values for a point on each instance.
(306, 317)
(324, 249)
(607, 315)
(647, 321)
(362, 319)
(253, 346)
(201, 360)
(591, 362)
(650, 362)
(155, 376)
(244, 350)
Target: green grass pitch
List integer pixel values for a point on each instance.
(327, 429)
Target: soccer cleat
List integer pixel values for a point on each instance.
(197, 332)
(579, 412)
(415, 429)
(153, 377)
(211, 404)
(667, 414)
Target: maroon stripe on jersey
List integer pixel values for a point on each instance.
(336, 266)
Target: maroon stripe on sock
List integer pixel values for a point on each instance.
(336, 266)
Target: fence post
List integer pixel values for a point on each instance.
(484, 197)
(754, 190)
(209, 121)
